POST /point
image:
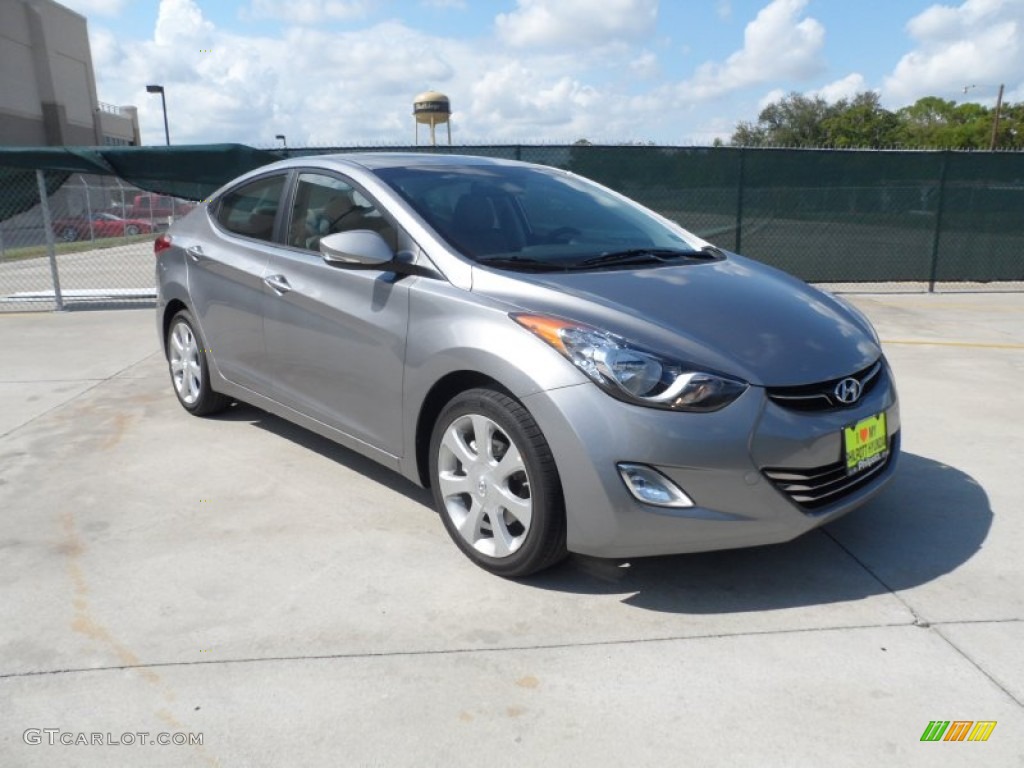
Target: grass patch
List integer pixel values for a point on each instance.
(38, 251)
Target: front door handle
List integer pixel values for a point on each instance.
(278, 282)
(195, 252)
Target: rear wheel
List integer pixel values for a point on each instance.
(190, 373)
(496, 486)
(69, 234)
(132, 229)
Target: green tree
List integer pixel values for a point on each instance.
(860, 122)
(1011, 126)
(803, 121)
(794, 120)
(926, 123)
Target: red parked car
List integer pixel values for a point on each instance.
(158, 208)
(101, 225)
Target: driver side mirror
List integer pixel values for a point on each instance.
(354, 249)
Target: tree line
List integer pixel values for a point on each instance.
(796, 120)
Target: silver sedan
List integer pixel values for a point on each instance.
(565, 369)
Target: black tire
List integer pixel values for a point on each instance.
(194, 392)
(69, 234)
(132, 230)
(541, 544)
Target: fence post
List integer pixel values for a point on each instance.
(48, 232)
(739, 201)
(123, 212)
(88, 207)
(939, 208)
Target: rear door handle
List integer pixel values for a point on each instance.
(278, 282)
(195, 252)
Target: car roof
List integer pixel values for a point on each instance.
(376, 160)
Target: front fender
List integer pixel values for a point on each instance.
(452, 331)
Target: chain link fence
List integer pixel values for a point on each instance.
(935, 220)
(88, 239)
(898, 220)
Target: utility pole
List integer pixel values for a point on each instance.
(995, 121)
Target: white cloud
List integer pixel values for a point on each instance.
(317, 86)
(944, 22)
(353, 83)
(181, 23)
(514, 100)
(578, 22)
(96, 7)
(645, 66)
(444, 4)
(105, 50)
(844, 88)
(779, 43)
(978, 41)
(310, 12)
(770, 98)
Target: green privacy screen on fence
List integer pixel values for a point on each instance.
(191, 172)
(836, 216)
(824, 215)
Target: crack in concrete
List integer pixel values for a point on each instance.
(978, 667)
(934, 626)
(466, 651)
(58, 406)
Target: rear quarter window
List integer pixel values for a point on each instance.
(251, 209)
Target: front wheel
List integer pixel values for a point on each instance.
(132, 229)
(190, 373)
(496, 486)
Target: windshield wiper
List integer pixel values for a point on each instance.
(641, 256)
(520, 262)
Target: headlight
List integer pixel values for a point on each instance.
(633, 374)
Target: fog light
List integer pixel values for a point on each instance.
(651, 487)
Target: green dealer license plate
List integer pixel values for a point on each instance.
(866, 444)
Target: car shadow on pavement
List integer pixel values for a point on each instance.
(929, 521)
(329, 449)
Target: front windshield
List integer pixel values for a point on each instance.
(521, 215)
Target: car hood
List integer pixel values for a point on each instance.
(735, 316)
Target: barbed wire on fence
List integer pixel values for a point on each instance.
(468, 147)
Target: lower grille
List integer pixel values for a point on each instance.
(817, 487)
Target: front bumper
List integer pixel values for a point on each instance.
(718, 459)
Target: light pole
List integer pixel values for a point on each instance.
(995, 120)
(282, 139)
(163, 100)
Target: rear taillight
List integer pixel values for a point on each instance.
(162, 243)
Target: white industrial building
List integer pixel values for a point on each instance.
(47, 84)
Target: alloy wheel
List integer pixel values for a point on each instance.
(186, 366)
(485, 486)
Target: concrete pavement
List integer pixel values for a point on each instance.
(295, 604)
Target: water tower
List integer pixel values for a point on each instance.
(432, 108)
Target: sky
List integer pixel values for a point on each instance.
(672, 72)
